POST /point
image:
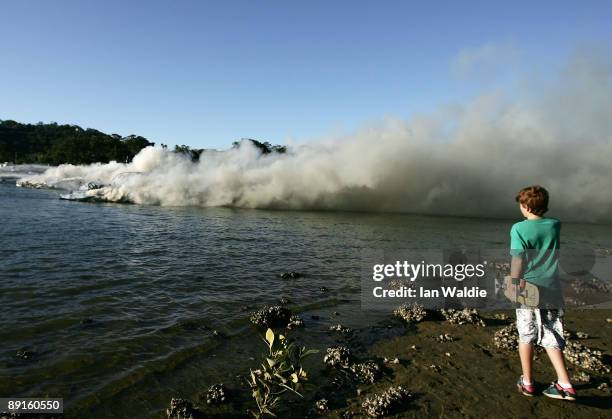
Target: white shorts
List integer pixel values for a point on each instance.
(542, 327)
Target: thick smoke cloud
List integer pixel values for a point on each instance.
(468, 159)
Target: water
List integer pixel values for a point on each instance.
(105, 295)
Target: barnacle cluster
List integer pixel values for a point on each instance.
(386, 403)
(506, 338)
(338, 356)
(180, 409)
(411, 313)
(215, 394)
(295, 321)
(271, 316)
(465, 316)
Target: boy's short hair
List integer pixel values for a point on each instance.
(535, 198)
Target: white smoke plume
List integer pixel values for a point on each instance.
(466, 159)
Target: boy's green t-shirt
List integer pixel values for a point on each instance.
(537, 241)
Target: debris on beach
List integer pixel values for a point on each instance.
(411, 313)
(216, 394)
(339, 328)
(506, 338)
(338, 356)
(445, 337)
(180, 409)
(295, 322)
(291, 275)
(465, 316)
(435, 368)
(366, 372)
(391, 360)
(501, 316)
(586, 358)
(388, 402)
(604, 387)
(271, 316)
(322, 406)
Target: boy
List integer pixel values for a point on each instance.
(534, 246)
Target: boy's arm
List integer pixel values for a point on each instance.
(516, 267)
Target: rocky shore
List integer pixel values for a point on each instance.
(425, 364)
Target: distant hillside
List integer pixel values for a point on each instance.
(56, 144)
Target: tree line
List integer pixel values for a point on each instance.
(57, 144)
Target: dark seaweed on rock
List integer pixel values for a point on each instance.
(389, 402)
(271, 316)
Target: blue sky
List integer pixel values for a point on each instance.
(205, 73)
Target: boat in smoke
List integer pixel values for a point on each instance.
(86, 193)
(97, 191)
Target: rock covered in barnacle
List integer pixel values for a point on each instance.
(592, 285)
(465, 316)
(411, 313)
(271, 316)
(322, 405)
(180, 409)
(388, 402)
(295, 321)
(216, 394)
(338, 356)
(581, 377)
(586, 358)
(339, 328)
(366, 372)
(506, 338)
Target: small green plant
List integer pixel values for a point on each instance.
(281, 372)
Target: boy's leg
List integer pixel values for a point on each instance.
(527, 330)
(558, 362)
(526, 355)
